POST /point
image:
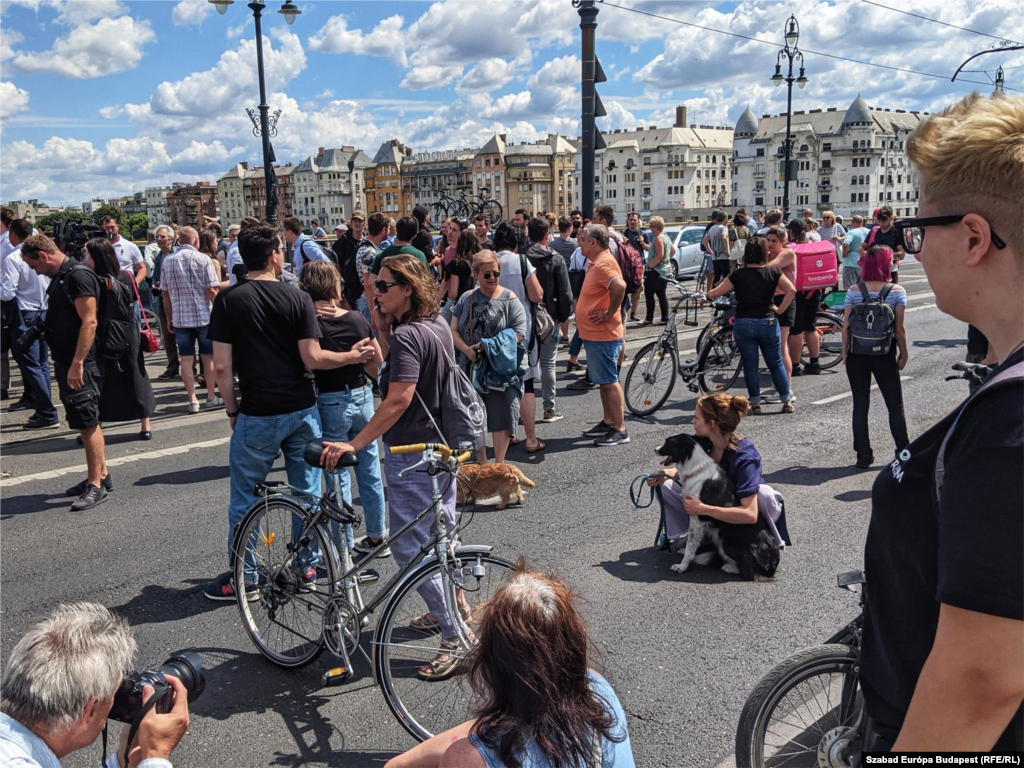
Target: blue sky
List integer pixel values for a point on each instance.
(102, 97)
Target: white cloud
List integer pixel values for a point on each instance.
(488, 75)
(326, 93)
(425, 76)
(77, 12)
(386, 39)
(12, 99)
(189, 13)
(92, 50)
(8, 38)
(618, 117)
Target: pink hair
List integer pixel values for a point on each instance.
(876, 264)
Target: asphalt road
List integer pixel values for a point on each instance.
(682, 651)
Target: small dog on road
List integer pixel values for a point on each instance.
(484, 481)
(749, 550)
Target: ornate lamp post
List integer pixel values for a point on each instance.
(266, 126)
(792, 53)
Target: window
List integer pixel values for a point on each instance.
(853, 181)
(759, 152)
(826, 147)
(804, 148)
(758, 201)
(647, 161)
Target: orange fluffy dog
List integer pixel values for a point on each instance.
(483, 481)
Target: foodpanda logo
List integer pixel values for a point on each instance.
(819, 263)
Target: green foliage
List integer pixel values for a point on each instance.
(50, 220)
(139, 224)
(111, 210)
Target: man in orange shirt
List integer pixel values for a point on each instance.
(599, 321)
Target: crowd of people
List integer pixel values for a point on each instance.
(942, 662)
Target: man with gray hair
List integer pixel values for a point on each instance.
(165, 247)
(58, 689)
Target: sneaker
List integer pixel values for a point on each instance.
(307, 580)
(193, 407)
(222, 589)
(78, 490)
(93, 496)
(571, 367)
(24, 404)
(550, 417)
(215, 402)
(599, 430)
(365, 546)
(614, 437)
(812, 368)
(41, 422)
(583, 383)
(865, 461)
(797, 370)
(170, 373)
(4, 394)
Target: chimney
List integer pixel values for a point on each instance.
(320, 151)
(245, 165)
(680, 116)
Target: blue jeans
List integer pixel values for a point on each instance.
(343, 415)
(761, 333)
(575, 344)
(255, 444)
(364, 309)
(35, 368)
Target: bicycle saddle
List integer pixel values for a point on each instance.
(316, 447)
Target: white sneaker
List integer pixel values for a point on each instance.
(193, 407)
(215, 402)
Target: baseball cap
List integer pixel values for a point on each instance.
(359, 214)
(341, 228)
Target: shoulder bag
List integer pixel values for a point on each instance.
(147, 339)
(544, 326)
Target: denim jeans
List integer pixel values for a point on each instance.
(548, 356)
(364, 309)
(761, 333)
(575, 344)
(35, 368)
(343, 415)
(255, 444)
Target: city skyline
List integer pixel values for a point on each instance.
(434, 76)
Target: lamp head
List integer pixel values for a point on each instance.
(222, 5)
(792, 31)
(801, 81)
(289, 10)
(777, 77)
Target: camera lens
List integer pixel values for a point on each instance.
(187, 667)
(128, 702)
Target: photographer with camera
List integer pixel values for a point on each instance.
(66, 677)
(71, 323)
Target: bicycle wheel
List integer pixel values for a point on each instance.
(287, 583)
(154, 325)
(492, 210)
(458, 209)
(830, 335)
(427, 707)
(439, 211)
(800, 709)
(719, 364)
(650, 379)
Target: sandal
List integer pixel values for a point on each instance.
(513, 441)
(541, 445)
(446, 664)
(425, 623)
(755, 409)
(788, 407)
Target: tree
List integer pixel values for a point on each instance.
(50, 220)
(111, 210)
(139, 225)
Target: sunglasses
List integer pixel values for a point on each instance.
(911, 231)
(382, 285)
(489, 275)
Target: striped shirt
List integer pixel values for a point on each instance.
(185, 275)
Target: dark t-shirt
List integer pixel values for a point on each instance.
(264, 320)
(742, 465)
(394, 250)
(424, 241)
(62, 317)
(964, 551)
(416, 356)
(889, 238)
(977, 344)
(755, 289)
(340, 334)
(462, 272)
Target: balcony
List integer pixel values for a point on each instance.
(825, 185)
(759, 190)
(759, 173)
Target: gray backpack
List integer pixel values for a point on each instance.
(872, 323)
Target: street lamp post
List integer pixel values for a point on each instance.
(266, 127)
(792, 53)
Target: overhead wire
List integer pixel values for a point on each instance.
(802, 50)
(936, 21)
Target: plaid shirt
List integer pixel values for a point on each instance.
(185, 275)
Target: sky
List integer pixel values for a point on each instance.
(99, 98)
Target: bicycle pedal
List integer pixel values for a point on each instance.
(367, 577)
(336, 676)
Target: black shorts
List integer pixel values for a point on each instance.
(806, 309)
(722, 269)
(81, 406)
(787, 317)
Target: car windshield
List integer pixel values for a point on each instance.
(691, 236)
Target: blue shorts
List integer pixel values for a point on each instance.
(603, 360)
(187, 338)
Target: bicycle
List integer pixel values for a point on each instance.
(468, 208)
(299, 595)
(809, 710)
(716, 367)
(828, 324)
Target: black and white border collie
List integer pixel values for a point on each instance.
(748, 550)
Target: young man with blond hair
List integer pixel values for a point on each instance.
(942, 663)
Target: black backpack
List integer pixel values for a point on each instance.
(872, 323)
(115, 315)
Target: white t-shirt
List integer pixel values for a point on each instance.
(813, 236)
(128, 254)
(718, 239)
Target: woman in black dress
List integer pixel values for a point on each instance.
(126, 393)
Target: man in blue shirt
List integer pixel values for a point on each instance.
(304, 248)
(851, 252)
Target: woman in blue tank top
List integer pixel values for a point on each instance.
(541, 706)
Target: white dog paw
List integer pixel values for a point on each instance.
(731, 568)
(680, 568)
(704, 558)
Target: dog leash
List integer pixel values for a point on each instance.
(636, 490)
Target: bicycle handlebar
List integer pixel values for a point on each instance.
(444, 450)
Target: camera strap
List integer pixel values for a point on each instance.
(155, 699)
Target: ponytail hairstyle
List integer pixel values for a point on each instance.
(726, 411)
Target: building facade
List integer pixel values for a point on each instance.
(32, 210)
(330, 185)
(383, 183)
(540, 176)
(427, 176)
(488, 173)
(231, 196)
(678, 173)
(848, 161)
(189, 203)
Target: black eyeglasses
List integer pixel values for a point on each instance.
(488, 275)
(910, 232)
(382, 285)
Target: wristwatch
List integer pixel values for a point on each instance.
(233, 414)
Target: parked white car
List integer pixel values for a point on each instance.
(688, 260)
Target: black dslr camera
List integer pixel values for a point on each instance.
(30, 336)
(128, 703)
